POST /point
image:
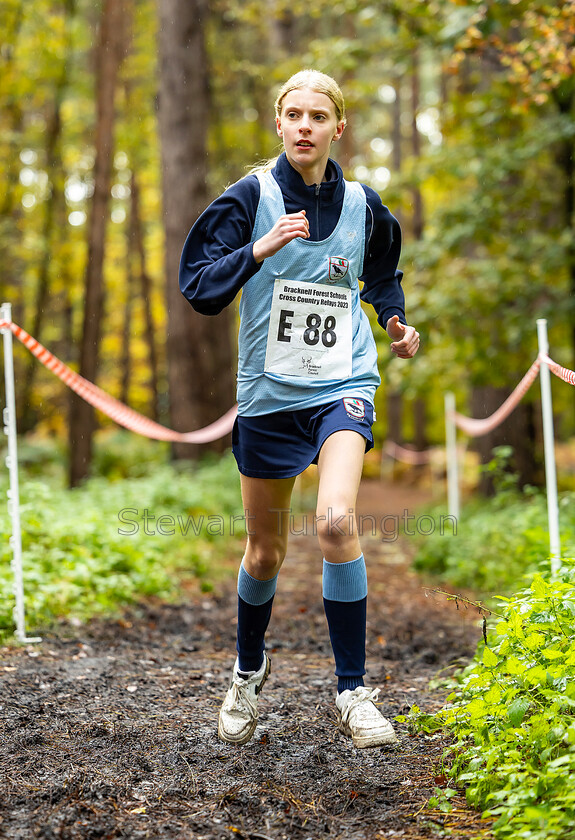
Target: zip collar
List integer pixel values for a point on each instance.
(296, 190)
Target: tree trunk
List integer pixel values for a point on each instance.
(519, 431)
(125, 354)
(420, 423)
(346, 148)
(53, 131)
(282, 29)
(199, 354)
(108, 59)
(11, 140)
(566, 161)
(55, 173)
(137, 247)
(394, 403)
(397, 156)
(416, 145)
(394, 399)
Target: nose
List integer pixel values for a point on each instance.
(305, 124)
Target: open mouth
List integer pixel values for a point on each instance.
(303, 144)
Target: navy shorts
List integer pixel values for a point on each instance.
(285, 443)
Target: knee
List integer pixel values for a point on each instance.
(336, 528)
(263, 558)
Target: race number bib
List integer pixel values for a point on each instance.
(310, 331)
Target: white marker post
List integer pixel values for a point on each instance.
(451, 456)
(549, 444)
(9, 416)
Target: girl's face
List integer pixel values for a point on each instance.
(308, 126)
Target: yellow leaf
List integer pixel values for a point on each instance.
(490, 660)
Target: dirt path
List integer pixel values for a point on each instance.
(109, 730)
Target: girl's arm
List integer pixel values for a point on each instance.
(217, 258)
(381, 277)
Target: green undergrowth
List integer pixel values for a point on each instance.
(498, 543)
(511, 716)
(140, 528)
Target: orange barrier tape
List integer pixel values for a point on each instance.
(475, 427)
(563, 373)
(135, 422)
(113, 408)
(407, 456)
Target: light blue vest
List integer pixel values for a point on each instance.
(262, 393)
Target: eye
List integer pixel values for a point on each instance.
(320, 117)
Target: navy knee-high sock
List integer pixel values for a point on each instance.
(345, 604)
(255, 601)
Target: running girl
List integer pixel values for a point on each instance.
(297, 239)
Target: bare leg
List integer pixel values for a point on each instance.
(266, 503)
(340, 466)
(344, 572)
(267, 510)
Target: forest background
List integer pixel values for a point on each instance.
(121, 120)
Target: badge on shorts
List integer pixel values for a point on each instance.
(354, 408)
(338, 267)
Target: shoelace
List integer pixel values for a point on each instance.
(360, 695)
(240, 697)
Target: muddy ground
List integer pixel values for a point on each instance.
(109, 730)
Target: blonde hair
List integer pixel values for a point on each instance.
(313, 80)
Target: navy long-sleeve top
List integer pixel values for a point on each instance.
(217, 258)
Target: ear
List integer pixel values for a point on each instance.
(279, 127)
(339, 131)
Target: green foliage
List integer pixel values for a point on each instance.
(511, 715)
(498, 543)
(108, 543)
(122, 454)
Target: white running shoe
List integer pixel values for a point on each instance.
(361, 720)
(239, 712)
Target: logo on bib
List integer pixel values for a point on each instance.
(338, 268)
(308, 366)
(354, 408)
